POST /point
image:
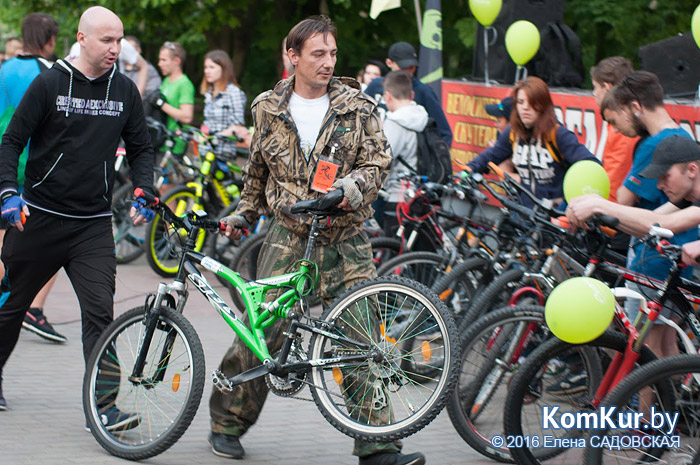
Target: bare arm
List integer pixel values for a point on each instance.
(626, 197)
(635, 221)
(183, 114)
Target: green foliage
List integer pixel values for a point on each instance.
(608, 28)
(252, 30)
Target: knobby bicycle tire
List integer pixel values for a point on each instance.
(424, 267)
(488, 298)
(175, 354)
(529, 374)
(460, 286)
(365, 400)
(660, 380)
(384, 249)
(485, 347)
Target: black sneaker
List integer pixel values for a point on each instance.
(35, 321)
(115, 420)
(225, 445)
(393, 458)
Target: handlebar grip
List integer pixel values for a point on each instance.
(22, 217)
(497, 170)
(517, 208)
(608, 221)
(152, 200)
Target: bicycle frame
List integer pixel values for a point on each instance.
(298, 284)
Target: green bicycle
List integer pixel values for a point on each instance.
(147, 368)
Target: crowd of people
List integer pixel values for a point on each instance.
(56, 171)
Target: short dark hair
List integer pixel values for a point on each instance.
(307, 28)
(382, 67)
(611, 70)
(399, 84)
(641, 86)
(37, 30)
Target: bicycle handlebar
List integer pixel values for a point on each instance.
(192, 221)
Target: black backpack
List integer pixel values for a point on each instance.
(559, 62)
(433, 154)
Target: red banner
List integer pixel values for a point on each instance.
(473, 128)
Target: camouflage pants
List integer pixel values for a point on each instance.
(340, 267)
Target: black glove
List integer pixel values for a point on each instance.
(156, 98)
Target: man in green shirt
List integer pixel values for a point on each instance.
(177, 91)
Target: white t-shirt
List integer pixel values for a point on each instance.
(308, 116)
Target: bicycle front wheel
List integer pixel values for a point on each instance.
(537, 385)
(667, 385)
(364, 387)
(139, 418)
(492, 350)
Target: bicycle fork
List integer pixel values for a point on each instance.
(150, 323)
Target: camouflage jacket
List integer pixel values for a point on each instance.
(277, 174)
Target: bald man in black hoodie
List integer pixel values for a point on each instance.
(75, 114)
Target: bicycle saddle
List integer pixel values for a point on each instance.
(322, 206)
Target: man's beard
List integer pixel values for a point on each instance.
(639, 127)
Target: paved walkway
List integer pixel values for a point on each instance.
(45, 422)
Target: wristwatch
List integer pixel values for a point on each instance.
(160, 102)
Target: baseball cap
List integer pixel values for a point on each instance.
(503, 108)
(403, 54)
(668, 152)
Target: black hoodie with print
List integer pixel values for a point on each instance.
(75, 125)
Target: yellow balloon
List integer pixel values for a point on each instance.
(579, 310)
(586, 177)
(522, 41)
(485, 11)
(695, 25)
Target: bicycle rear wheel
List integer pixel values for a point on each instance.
(372, 397)
(668, 386)
(162, 404)
(424, 267)
(384, 249)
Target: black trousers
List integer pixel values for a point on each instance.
(84, 247)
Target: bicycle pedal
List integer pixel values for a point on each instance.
(221, 382)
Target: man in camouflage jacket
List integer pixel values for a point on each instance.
(278, 174)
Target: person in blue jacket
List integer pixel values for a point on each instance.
(402, 56)
(541, 149)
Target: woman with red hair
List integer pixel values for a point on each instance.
(540, 147)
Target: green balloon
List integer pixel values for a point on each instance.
(586, 177)
(695, 25)
(485, 11)
(579, 310)
(522, 41)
